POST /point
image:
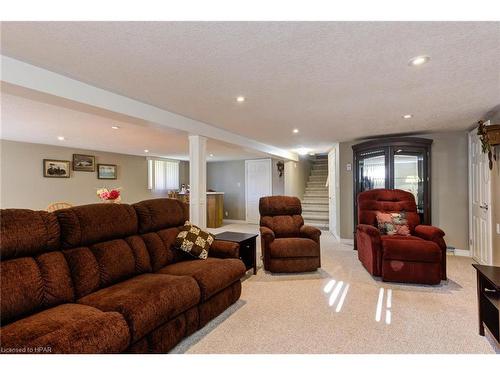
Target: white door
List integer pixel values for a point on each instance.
(333, 190)
(258, 183)
(479, 202)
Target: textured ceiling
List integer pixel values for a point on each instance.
(334, 81)
(39, 118)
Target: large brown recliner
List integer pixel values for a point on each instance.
(418, 258)
(105, 278)
(287, 244)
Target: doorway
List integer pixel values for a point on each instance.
(480, 240)
(258, 183)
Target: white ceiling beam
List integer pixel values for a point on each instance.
(19, 73)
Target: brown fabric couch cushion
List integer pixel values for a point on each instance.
(218, 303)
(146, 301)
(165, 337)
(157, 214)
(294, 247)
(280, 205)
(401, 248)
(67, 328)
(282, 215)
(92, 223)
(161, 248)
(27, 232)
(32, 284)
(212, 274)
(107, 263)
(292, 265)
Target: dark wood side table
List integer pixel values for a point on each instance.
(488, 296)
(248, 247)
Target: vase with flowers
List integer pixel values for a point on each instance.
(109, 196)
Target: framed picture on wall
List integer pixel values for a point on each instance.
(83, 163)
(56, 168)
(106, 172)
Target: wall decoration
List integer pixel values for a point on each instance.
(106, 171)
(281, 168)
(110, 196)
(56, 168)
(83, 163)
(490, 137)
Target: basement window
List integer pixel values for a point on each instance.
(163, 174)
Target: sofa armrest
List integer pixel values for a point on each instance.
(370, 230)
(434, 234)
(266, 234)
(311, 232)
(224, 249)
(369, 248)
(428, 232)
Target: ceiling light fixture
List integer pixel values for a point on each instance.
(61, 138)
(115, 127)
(240, 99)
(407, 116)
(295, 131)
(211, 155)
(146, 151)
(302, 151)
(311, 154)
(419, 60)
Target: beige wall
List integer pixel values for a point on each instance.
(449, 187)
(23, 185)
(229, 177)
(296, 176)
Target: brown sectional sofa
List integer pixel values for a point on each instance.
(105, 278)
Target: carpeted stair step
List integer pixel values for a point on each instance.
(322, 225)
(315, 215)
(314, 207)
(315, 200)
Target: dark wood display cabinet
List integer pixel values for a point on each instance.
(394, 163)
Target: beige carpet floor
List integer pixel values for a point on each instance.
(342, 309)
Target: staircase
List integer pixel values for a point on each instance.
(315, 199)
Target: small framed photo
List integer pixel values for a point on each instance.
(106, 172)
(83, 163)
(56, 168)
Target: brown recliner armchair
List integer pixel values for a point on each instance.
(417, 258)
(287, 244)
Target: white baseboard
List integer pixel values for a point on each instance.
(461, 253)
(231, 221)
(347, 241)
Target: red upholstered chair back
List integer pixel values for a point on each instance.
(386, 200)
(281, 214)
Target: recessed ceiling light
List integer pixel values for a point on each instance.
(240, 99)
(61, 138)
(146, 150)
(211, 155)
(419, 60)
(115, 127)
(302, 151)
(407, 116)
(295, 131)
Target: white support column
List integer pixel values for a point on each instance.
(198, 180)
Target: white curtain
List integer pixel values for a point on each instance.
(163, 174)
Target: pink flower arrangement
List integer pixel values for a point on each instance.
(113, 195)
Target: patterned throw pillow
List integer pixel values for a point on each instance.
(194, 241)
(392, 223)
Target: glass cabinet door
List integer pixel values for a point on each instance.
(409, 175)
(394, 163)
(372, 171)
